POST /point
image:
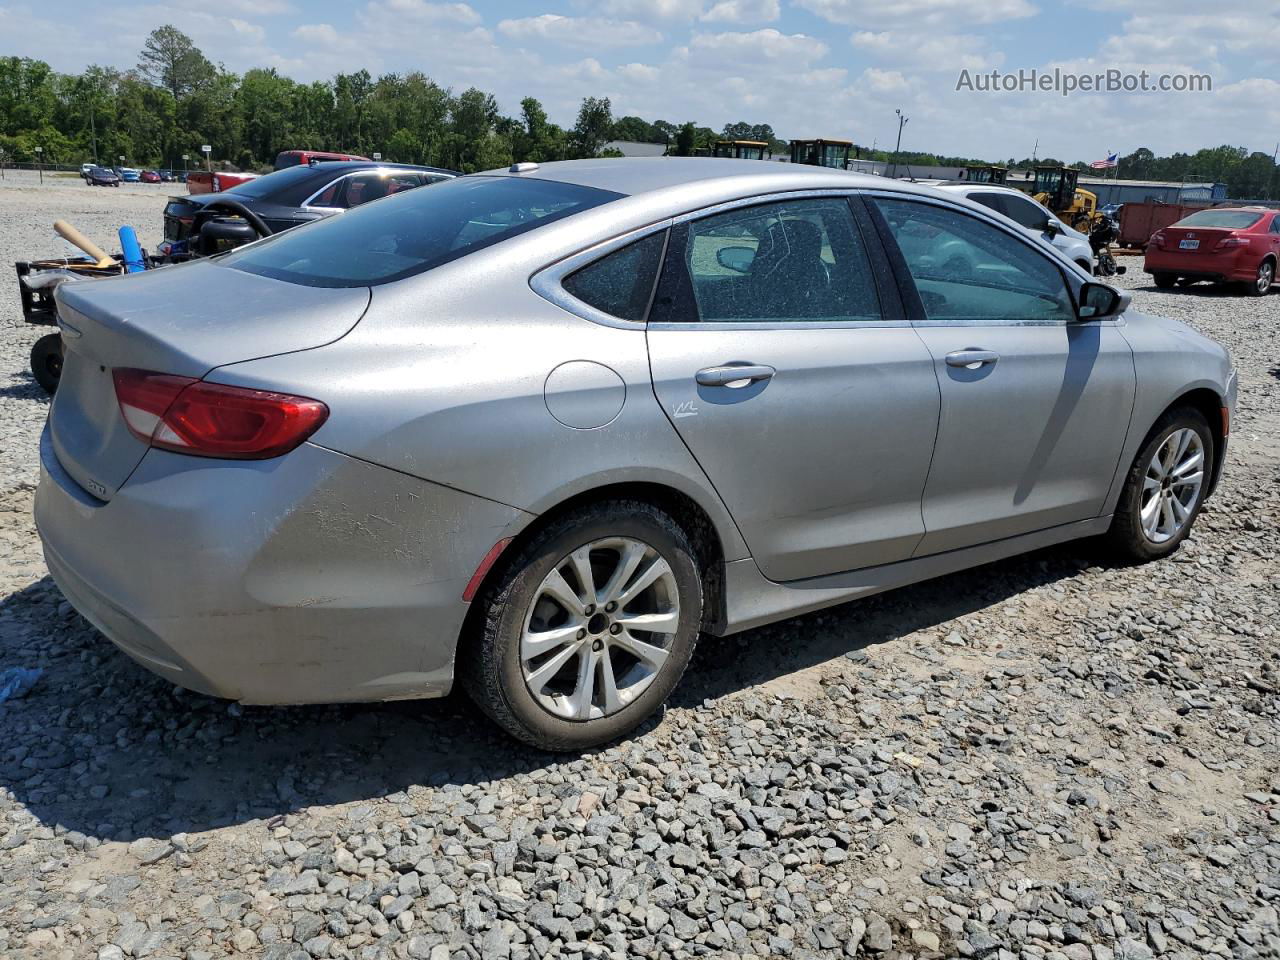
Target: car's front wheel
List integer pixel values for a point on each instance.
(1165, 488)
(588, 629)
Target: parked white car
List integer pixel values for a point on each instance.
(1031, 216)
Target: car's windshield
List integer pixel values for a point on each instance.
(414, 231)
(1227, 219)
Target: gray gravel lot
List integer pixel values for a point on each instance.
(1048, 757)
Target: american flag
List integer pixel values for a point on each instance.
(1113, 160)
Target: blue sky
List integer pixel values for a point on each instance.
(808, 67)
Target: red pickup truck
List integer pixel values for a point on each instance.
(205, 181)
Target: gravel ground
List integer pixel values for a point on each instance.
(1044, 758)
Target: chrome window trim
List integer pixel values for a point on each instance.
(546, 282)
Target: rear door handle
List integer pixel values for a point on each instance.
(971, 359)
(734, 376)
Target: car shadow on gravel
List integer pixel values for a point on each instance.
(26, 388)
(104, 748)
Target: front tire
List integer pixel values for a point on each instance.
(1165, 488)
(589, 627)
(1164, 281)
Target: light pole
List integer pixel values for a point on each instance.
(902, 122)
(39, 165)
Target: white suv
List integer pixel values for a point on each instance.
(1031, 216)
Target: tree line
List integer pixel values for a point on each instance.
(176, 99)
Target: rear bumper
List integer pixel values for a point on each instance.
(311, 578)
(1221, 268)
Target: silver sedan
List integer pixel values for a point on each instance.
(538, 429)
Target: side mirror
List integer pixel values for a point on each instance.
(1099, 301)
(1053, 227)
(737, 259)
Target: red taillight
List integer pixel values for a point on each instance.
(1227, 243)
(1157, 239)
(211, 419)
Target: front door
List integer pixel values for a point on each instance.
(812, 409)
(1035, 404)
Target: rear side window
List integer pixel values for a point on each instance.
(414, 231)
(1224, 219)
(620, 283)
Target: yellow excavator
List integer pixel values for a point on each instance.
(988, 174)
(822, 153)
(740, 149)
(1057, 189)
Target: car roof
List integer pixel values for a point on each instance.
(680, 181)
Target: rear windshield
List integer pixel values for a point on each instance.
(414, 231)
(287, 160)
(1227, 219)
(273, 183)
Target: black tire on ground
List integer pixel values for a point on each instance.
(1126, 539)
(1164, 280)
(1263, 280)
(46, 361)
(489, 662)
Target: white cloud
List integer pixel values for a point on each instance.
(928, 54)
(743, 11)
(256, 8)
(393, 15)
(648, 9)
(745, 49)
(919, 14)
(580, 31)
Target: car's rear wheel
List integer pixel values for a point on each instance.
(588, 629)
(1165, 488)
(1264, 278)
(1164, 280)
(46, 361)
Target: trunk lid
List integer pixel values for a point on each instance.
(1199, 239)
(184, 320)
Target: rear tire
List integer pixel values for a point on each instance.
(1164, 280)
(1263, 280)
(46, 361)
(598, 689)
(1163, 470)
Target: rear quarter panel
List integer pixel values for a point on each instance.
(446, 378)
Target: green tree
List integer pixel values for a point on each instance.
(169, 59)
(686, 140)
(595, 122)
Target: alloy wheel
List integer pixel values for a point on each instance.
(1171, 485)
(599, 628)
(1266, 275)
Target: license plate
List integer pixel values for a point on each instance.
(1189, 245)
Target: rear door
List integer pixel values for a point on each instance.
(1035, 404)
(780, 354)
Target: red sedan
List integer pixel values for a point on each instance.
(149, 176)
(1224, 244)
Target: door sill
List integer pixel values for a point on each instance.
(752, 600)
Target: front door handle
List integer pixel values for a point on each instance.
(734, 376)
(971, 359)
